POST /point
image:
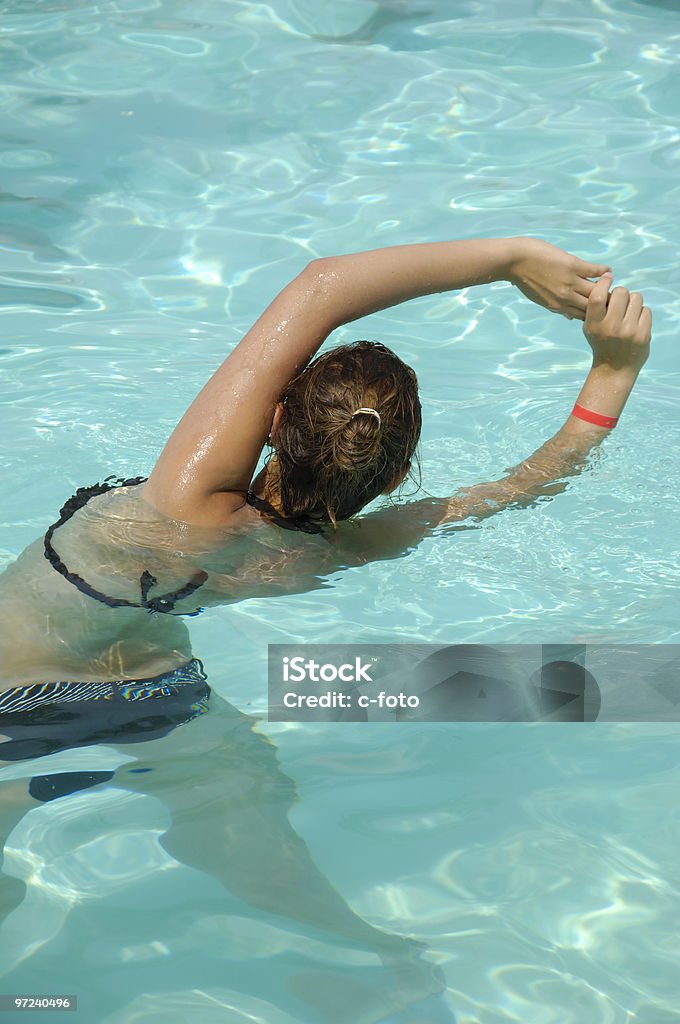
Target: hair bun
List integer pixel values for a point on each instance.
(350, 428)
(354, 445)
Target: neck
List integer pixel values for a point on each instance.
(266, 485)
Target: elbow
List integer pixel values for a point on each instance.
(322, 283)
(322, 270)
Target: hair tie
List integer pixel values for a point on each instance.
(369, 412)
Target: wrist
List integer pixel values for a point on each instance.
(604, 393)
(482, 260)
(515, 250)
(613, 377)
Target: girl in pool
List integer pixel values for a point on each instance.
(82, 660)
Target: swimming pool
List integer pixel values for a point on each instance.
(166, 168)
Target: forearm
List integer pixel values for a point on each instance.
(563, 455)
(365, 282)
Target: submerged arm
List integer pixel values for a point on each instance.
(563, 455)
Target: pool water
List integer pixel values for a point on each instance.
(166, 168)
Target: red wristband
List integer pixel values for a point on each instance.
(594, 417)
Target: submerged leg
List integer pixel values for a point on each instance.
(230, 801)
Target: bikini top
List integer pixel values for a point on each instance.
(164, 603)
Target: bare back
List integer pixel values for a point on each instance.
(53, 631)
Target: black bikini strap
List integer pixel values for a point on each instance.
(301, 523)
(83, 495)
(163, 603)
(77, 581)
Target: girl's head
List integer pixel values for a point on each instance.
(332, 459)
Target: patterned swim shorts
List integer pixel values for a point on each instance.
(44, 718)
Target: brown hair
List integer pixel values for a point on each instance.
(332, 460)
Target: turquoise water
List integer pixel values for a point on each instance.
(165, 169)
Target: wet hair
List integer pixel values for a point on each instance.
(333, 460)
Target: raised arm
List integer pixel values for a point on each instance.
(212, 453)
(618, 329)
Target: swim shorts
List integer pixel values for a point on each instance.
(44, 718)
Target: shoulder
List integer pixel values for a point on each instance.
(217, 510)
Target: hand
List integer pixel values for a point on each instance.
(618, 327)
(554, 278)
